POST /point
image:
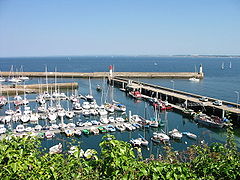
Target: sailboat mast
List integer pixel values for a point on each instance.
(46, 78)
(55, 79)
(90, 86)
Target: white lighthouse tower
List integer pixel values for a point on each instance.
(200, 69)
(110, 70)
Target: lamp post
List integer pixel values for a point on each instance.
(237, 97)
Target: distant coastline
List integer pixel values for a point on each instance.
(112, 56)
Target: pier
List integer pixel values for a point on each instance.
(180, 98)
(35, 88)
(105, 74)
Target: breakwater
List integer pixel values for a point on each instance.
(35, 88)
(106, 74)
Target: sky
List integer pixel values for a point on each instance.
(118, 27)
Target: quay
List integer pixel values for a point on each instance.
(199, 75)
(35, 88)
(180, 98)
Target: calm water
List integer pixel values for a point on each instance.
(217, 83)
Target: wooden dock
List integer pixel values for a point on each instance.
(106, 74)
(180, 97)
(35, 88)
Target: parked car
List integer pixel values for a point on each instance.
(217, 103)
(204, 99)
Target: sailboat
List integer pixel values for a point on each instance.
(230, 65)
(90, 96)
(194, 79)
(13, 79)
(2, 79)
(23, 78)
(222, 67)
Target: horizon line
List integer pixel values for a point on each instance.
(139, 55)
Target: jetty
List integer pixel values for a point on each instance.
(179, 98)
(35, 88)
(171, 75)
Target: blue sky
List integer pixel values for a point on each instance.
(119, 27)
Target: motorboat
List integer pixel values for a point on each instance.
(193, 79)
(86, 113)
(61, 113)
(94, 130)
(143, 141)
(69, 132)
(71, 125)
(49, 134)
(102, 111)
(190, 135)
(109, 107)
(214, 121)
(2, 129)
(120, 107)
(95, 122)
(52, 116)
(89, 98)
(77, 106)
(160, 137)
(93, 112)
(86, 131)
(102, 129)
(20, 128)
(86, 105)
(120, 119)
(25, 118)
(135, 142)
(78, 132)
(135, 94)
(104, 120)
(34, 117)
(175, 134)
(110, 128)
(3, 101)
(55, 126)
(55, 149)
(111, 119)
(129, 126)
(120, 127)
(69, 114)
(93, 105)
(38, 127)
(28, 129)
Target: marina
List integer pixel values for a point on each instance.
(170, 116)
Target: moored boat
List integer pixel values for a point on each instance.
(69, 132)
(175, 134)
(55, 149)
(2, 129)
(160, 137)
(86, 131)
(190, 135)
(213, 121)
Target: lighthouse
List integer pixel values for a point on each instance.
(110, 70)
(200, 69)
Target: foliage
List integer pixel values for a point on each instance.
(21, 158)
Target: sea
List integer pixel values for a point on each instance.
(221, 81)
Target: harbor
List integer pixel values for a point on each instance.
(69, 106)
